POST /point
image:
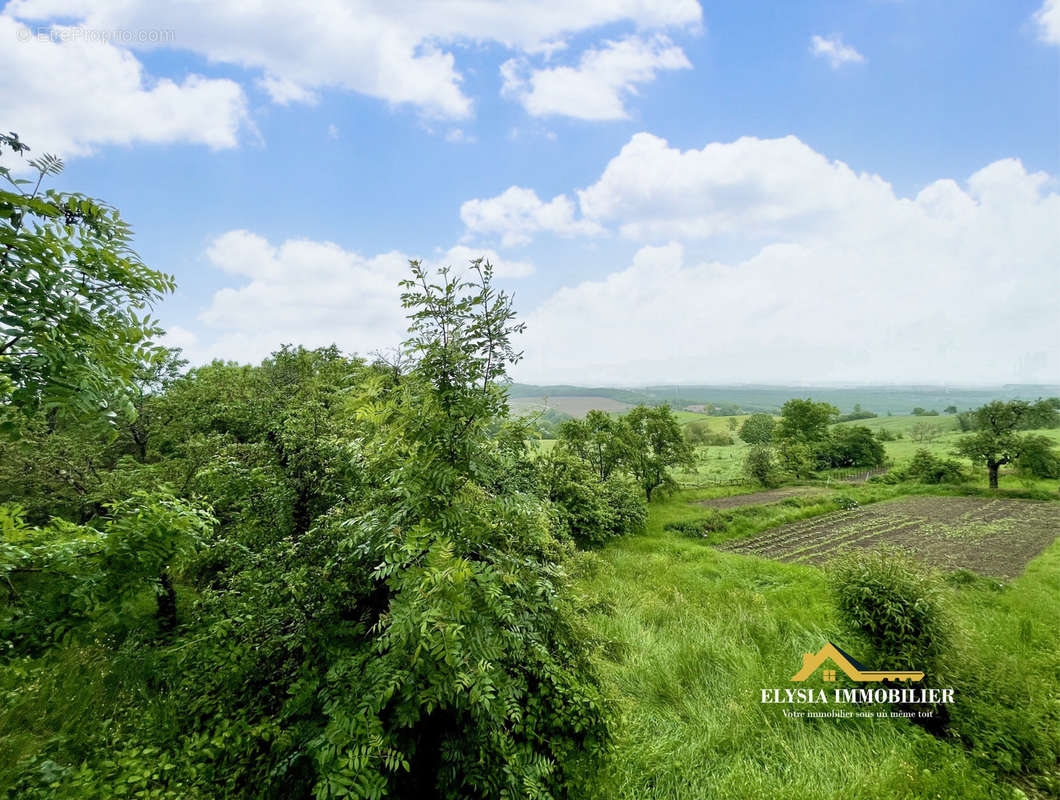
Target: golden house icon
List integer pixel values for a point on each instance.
(852, 669)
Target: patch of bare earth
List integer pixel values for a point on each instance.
(760, 498)
(990, 536)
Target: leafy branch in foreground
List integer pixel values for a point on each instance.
(73, 294)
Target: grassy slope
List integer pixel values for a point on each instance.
(689, 637)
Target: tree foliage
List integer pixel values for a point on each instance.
(997, 440)
(73, 327)
(758, 429)
(380, 604)
(659, 445)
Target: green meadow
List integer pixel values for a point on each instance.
(687, 637)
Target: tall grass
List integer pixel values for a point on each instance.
(687, 637)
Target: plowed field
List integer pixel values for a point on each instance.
(990, 536)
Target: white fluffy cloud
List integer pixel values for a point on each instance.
(956, 284)
(1048, 19)
(597, 87)
(67, 96)
(517, 214)
(460, 256)
(392, 51)
(752, 188)
(309, 293)
(835, 51)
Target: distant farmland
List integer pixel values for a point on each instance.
(576, 406)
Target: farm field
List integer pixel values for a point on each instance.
(761, 498)
(993, 537)
(575, 406)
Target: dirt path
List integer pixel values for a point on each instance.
(760, 498)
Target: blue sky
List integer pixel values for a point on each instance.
(679, 192)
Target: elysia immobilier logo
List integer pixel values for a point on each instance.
(850, 667)
(847, 665)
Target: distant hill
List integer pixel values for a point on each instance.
(882, 400)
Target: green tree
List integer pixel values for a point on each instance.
(854, 446)
(598, 439)
(802, 435)
(73, 330)
(996, 440)
(758, 429)
(657, 444)
(805, 421)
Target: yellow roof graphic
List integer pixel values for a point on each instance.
(851, 668)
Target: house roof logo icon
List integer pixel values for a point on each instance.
(851, 668)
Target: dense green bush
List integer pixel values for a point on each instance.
(928, 468)
(590, 510)
(1040, 458)
(760, 466)
(891, 602)
(850, 446)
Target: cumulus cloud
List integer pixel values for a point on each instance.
(752, 187)
(460, 256)
(597, 87)
(302, 292)
(1048, 20)
(517, 214)
(69, 95)
(311, 293)
(392, 51)
(956, 284)
(835, 51)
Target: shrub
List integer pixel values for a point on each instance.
(890, 601)
(1039, 458)
(852, 446)
(759, 466)
(589, 510)
(714, 522)
(629, 511)
(927, 468)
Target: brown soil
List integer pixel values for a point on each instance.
(760, 498)
(990, 536)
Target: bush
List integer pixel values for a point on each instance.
(589, 510)
(927, 468)
(714, 522)
(759, 466)
(1039, 458)
(890, 601)
(629, 511)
